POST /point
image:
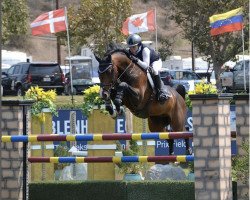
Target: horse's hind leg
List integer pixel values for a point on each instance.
(178, 125)
(159, 124)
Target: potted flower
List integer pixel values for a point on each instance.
(131, 171)
(92, 100)
(43, 99)
(201, 88)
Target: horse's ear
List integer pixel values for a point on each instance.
(98, 59)
(107, 58)
(127, 53)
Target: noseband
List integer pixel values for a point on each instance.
(110, 85)
(113, 81)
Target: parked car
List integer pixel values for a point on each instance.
(208, 76)
(234, 79)
(4, 76)
(176, 77)
(21, 76)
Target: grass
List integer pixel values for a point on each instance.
(61, 101)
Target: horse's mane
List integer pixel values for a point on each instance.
(111, 49)
(116, 48)
(123, 51)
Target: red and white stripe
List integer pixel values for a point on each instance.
(139, 23)
(50, 22)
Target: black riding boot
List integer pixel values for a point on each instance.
(161, 95)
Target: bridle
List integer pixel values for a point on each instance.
(114, 81)
(108, 86)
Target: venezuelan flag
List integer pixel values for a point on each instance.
(226, 22)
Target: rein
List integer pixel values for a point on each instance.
(112, 84)
(118, 79)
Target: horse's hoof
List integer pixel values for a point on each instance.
(114, 115)
(189, 151)
(121, 111)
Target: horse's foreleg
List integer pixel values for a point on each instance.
(119, 95)
(109, 108)
(120, 90)
(178, 125)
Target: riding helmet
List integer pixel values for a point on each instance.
(133, 40)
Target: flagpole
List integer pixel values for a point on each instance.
(156, 48)
(69, 55)
(244, 64)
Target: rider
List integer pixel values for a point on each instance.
(145, 57)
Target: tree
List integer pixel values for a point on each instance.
(165, 50)
(14, 21)
(98, 23)
(193, 17)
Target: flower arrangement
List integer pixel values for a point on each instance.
(92, 99)
(201, 88)
(43, 99)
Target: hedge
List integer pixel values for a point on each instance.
(115, 190)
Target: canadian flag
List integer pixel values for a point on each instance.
(50, 22)
(139, 23)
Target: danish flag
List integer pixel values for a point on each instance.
(50, 22)
(139, 23)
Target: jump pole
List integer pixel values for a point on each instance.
(97, 137)
(101, 137)
(111, 159)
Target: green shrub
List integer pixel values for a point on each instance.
(131, 150)
(115, 190)
(240, 165)
(61, 151)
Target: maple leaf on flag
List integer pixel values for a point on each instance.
(137, 22)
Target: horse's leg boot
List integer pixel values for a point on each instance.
(119, 95)
(118, 98)
(161, 95)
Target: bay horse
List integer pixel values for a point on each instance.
(125, 83)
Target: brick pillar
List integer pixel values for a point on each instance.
(12, 153)
(242, 129)
(212, 147)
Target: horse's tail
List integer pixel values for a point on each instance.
(181, 90)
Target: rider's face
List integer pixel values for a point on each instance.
(134, 49)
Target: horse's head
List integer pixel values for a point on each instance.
(107, 76)
(112, 70)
